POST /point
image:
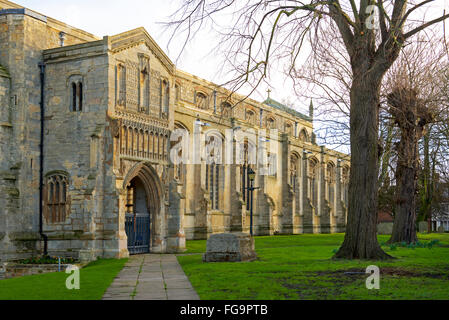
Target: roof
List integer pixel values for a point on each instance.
(125, 40)
(273, 103)
(383, 216)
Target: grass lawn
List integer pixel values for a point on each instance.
(300, 267)
(95, 278)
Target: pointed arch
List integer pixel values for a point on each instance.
(304, 136)
(152, 184)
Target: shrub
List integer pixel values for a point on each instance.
(47, 260)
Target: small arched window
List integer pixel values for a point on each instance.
(313, 181)
(294, 160)
(56, 200)
(76, 98)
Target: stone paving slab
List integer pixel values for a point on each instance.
(151, 277)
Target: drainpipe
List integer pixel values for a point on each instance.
(41, 159)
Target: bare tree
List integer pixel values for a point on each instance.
(263, 31)
(414, 99)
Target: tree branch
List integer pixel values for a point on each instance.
(422, 27)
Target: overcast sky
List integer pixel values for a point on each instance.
(109, 17)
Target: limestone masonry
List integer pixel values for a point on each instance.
(109, 186)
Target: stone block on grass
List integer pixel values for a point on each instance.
(230, 247)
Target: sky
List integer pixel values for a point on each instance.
(109, 17)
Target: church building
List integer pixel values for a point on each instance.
(107, 149)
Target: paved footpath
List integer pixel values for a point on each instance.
(151, 277)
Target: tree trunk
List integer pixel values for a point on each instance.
(361, 230)
(426, 194)
(404, 227)
(411, 116)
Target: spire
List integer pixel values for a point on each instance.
(268, 92)
(311, 109)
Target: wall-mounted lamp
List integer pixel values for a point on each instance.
(198, 122)
(61, 38)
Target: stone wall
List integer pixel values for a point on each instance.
(83, 130)
(23, 36)
(14, 270)
(7, 191)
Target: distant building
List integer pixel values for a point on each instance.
(441, 218)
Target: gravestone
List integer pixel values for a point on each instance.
(440, 229)
(385, 228)
(230, 247)
(422, 226)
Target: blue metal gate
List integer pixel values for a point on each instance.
(137, 228)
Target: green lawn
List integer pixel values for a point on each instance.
(300, 267)
(95, 278)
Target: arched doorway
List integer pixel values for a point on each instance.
(143, 200)
(137, 218)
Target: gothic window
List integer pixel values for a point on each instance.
(165, 98)
(313, 181)
(330, 179)
(56, 200)
(303, 136)
(214, 149)
(294, 172)
(144, 90)
(121, 84)
(248, 158)
(201, 101)
(143, 69)
(212, 183)
(76, 96)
